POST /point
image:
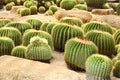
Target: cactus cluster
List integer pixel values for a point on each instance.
(116, 36)
(98, 67)
(8, 6)
(104, 41)
(36, 23)
(3, 22)
(6, 45)
(38, 49)
(48, 12)
(77, 50)
(63, 32)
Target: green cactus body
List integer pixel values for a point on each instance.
(68, 4)
(95, 25)
(116, 70)
(38, 50)
(116, 36)
(8, 6)
(117, 48)
(54, 8)
(9, 1)
(104, 41)
(3, 22)
(118, 9)
(106, 6)
(13, 4)
(47, 4)
(36, 23)
(81, 6)
(31, 33)
(50, 26)
(6, 45)
(98, 67)
(72, 21)
(44, 26)
(25, 12)
(12, 33)
(33, 9)
(77, 50)
(48, 12)
(19, 51)
(63, 32)
(42, 9)
(22, 27)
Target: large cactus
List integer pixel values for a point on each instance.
(72, 21)
(95, 25)
(22, 27)
(77, 50)
(98, 67)
(38, 49)
(31, 33)
(3, 22)
(19, 51)
(116, 70)
(36, 23)
(6, 45)
(104, 41)
(63, 32)
(116, 36)
(12, 33)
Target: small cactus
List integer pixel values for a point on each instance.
(3, 22)
(36, 23)
(38, 49)
(77, 50)
(28, 4)
(25, 12)
(19, 51)
(8, 6)
(48, 12)
(6, 45)
(33, 9)
(98, 67)
(42, 9)
(81, 6)
(54, 8)
(44, 26)
(116, 36)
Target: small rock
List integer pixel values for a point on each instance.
(103, 11)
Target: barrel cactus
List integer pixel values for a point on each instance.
(116, 70)
(54, 8)
(31, 33)
(72, 21)
(116, 36)
(25, 12)
(42, 9)
(81, 6)
(104, 41)
(38, 49)
(3, 22)
(44, 26)
(63, 32)
(19, 51)
(12, 33)
(95, 3)
(98, 67)
(50, 26)
(9, 1)
(33, 9)
(48, 12)
(77, 50)
(22, 27)
(8, 6)
(95, 25)
(68, 4)
(6, 45)
(118, 9)
(36, 23)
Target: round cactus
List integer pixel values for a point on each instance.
(48, 12)
(68, 4)
(95, 3)
(106, 6)
(38, 49)
(31, 33)
(72, 21)
(28, 4)
(81, 6)
(22, 27)
(95, 25)
(63, 32)
(33, 9)
(47, 4)
(9, 1)
(104, 41)
(42, 9)
(3, 22)
(98, 67)
(118, 9)
(54, 8)
(12, 33)
(25, 12)
(35, 23)
(19, 51)
(44, 26)
(77, 50)
(12, 3)
(6, 45)
(116, 36)
(116, 70)
(8, 6)
(50, 26)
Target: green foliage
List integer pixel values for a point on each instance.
(72, 21)
(25, 12)
(42, 9)
(38, 49)
(116, 70)
(104, 41)
(116, 36)
(48, 12)
(95, 25)
(12, 33)
(77, 50)
(6, 45)
(19, 51)
(33, 9)
(22, 27)
(54, 8)
(36, 23)
(81, 6)
(8, 6)
(118, 9)
(3, 22)
(31, 33)
(68, 4)
(63, 32)
(98, 67)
